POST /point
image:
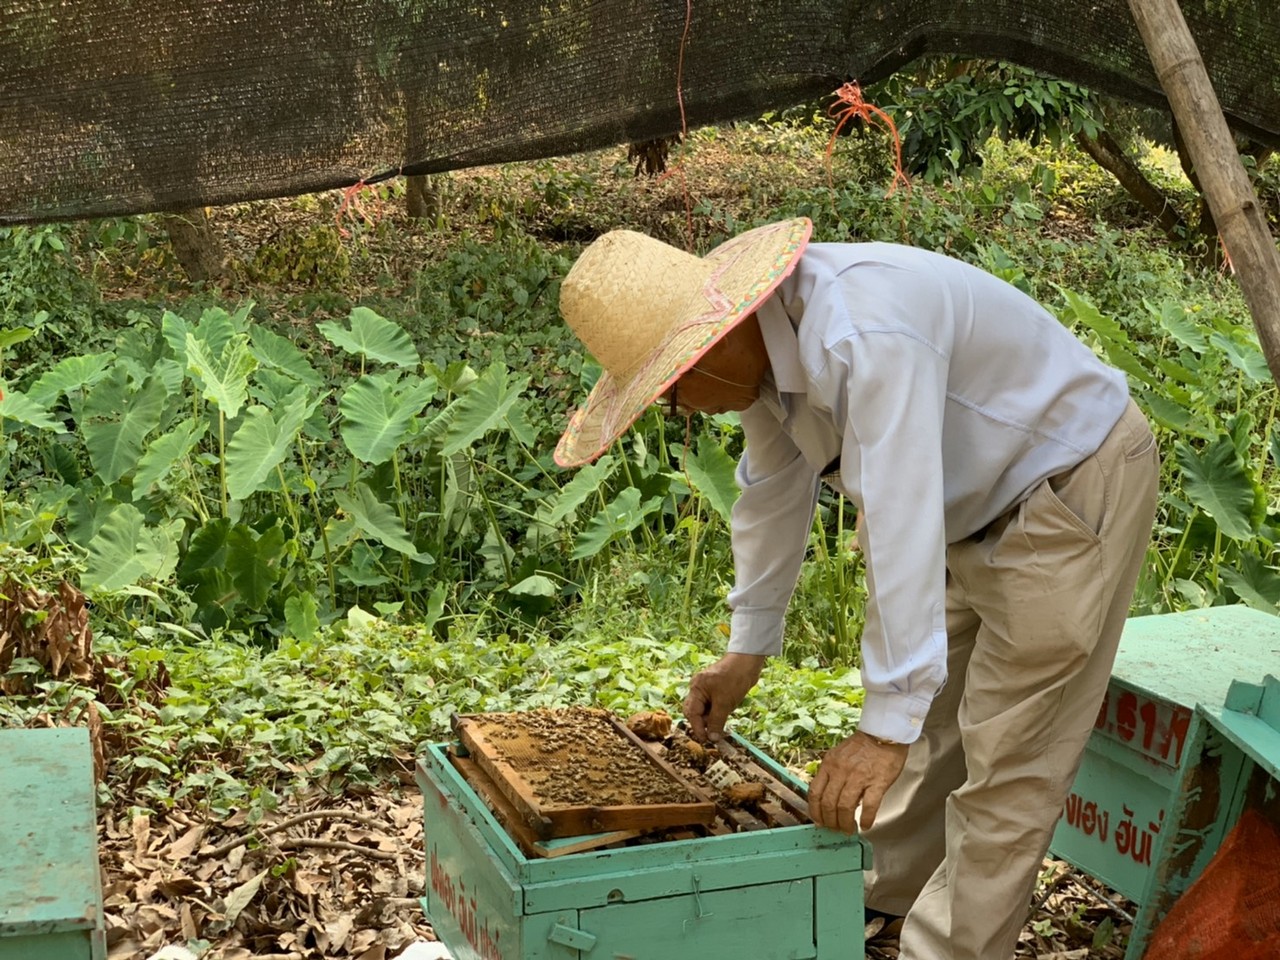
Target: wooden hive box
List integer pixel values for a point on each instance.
(1240, 746)
(782, 893)
(50, 887)
(1172, 676)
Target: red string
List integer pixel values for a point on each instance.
(850, 94)
(351, 199)
(678, 166)
(1227, 265)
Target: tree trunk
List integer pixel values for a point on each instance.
(1111, 156)
(1227, 187)
(424, 199)
(194, 244)
(1206, 228)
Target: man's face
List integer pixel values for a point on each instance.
(699, 391)
(727, 377)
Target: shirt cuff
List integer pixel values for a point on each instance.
(893, 716)
(758, 632)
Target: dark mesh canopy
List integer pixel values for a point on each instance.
(124, 106)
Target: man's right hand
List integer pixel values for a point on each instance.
(716, 692)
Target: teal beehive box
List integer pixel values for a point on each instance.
(1172, 675)
(50, 890)
(1239, 749)
(785, 893)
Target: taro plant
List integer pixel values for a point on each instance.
(1202, 378)
(212, 455)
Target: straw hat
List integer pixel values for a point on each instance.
(648, 311)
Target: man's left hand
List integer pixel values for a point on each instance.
(858, 770)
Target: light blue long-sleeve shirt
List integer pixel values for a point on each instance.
(947, 395)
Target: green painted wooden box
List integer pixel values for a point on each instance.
(1172, 673)
(50, 887)
(1239, 747)
(787, 893)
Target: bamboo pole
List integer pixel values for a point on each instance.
(1230, 195)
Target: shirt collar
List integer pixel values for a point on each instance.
(781, 344)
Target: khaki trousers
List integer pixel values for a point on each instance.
(1035, 607)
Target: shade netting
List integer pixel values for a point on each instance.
(121, 106)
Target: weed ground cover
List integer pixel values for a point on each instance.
(314, 507)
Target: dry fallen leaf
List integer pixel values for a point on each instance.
(184, 845)
(241, 897)
(141, 834)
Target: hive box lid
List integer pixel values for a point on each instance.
(1192, 657)
(49, 879)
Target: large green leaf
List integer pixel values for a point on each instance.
(1175, 416)
(377, 413)
(365, 567)
(253, 560)
(496, 553)
(711, 469)
(14, 336)
(1254, 582)
(171, 373)
(301, 617)
(481, 408)
(621, 516)
(20, 408)
(1182, 374)
(207, 549)
(215, 597)
(125, 550)
(233, 562)
(1113, 338)
(372, 337)
(1243, 353)
(1217, 482)
(378, 521)
(162, 453)
(586, 481)
(280, 353)
(536, 585)
(223, 372)
(260, 443)
(117, 421)
(214, 329)
(1179, 324)
(175, 330)
(69, 374)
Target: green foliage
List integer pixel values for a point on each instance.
(947, 110)
(1201, 377)
(434, 476)
(314, 255)
(370, 337)
(43, 290)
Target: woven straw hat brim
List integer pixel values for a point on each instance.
(741, 273)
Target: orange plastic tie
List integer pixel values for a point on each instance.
(850, 95)
(351, 200)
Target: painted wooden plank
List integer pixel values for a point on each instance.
(50, 886)
(839, 920)
(768, 922)
(1192, 657)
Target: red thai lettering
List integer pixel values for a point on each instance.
(1085, 816)
(451, 893)
(1127, 715)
